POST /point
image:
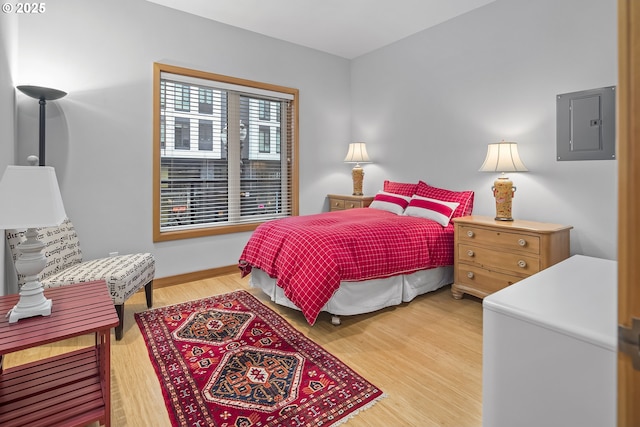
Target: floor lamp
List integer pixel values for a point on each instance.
(43, 94)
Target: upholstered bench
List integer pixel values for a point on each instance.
(124, 274)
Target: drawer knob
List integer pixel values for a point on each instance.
(351, 205)
(470, 233)
(470, 274)
(470, 253)
(522, 263)
(522, 242)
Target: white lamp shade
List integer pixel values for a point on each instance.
(30, 198)
(503, 157)
(357, 153)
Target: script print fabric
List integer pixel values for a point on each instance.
(309, 255)
(230, 361)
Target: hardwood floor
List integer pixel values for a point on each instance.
(426, 356)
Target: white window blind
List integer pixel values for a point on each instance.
(225, 152)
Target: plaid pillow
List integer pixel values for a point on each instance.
(464, 198)
(402, 188)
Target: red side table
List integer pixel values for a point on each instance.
(72, 389)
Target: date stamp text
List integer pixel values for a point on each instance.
(24, 8)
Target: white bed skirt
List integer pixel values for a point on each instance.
(364, 297)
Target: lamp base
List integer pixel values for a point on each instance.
(18, 312)
(503, 191)
(357, 173)
(30, 263)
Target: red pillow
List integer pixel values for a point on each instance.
(402, 188)
(465, 198)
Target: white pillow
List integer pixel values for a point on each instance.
(390, 202)
(436, 210)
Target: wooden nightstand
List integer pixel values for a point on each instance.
(490, 255)
(339, 202)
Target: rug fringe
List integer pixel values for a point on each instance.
(353, 414)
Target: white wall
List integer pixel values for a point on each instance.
(428, 106)
(8, 43)
(99, 137)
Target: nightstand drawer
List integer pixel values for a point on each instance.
(337, 204)
(483, 281)
(492, 259)
(500, 239)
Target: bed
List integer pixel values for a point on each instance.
(358, 260)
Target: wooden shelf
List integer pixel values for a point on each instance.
(62, 390)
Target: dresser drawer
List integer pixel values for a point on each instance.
(492, 259)
(501, 239)
(483, 281)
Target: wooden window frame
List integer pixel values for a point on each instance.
(158, 234)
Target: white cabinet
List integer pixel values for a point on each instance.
(549, 348)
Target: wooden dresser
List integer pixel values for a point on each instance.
(340, 202)
(490, 255)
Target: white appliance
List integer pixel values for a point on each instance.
(550, 348)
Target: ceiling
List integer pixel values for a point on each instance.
(346, 28)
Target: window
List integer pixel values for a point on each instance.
(205, 101)
(182, 97)
(163, 129)
(182, 137)
(265, 135)
(265, 110)
(226, 166)
(205, 135)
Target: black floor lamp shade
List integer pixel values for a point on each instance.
(43, 94)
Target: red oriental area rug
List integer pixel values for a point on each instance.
(229, 360)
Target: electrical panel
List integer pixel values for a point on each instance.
(586, 125)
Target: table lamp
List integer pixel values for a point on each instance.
(357, 154)
(503, 157)
(31, 198)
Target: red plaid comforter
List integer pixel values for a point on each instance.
(309, 255)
